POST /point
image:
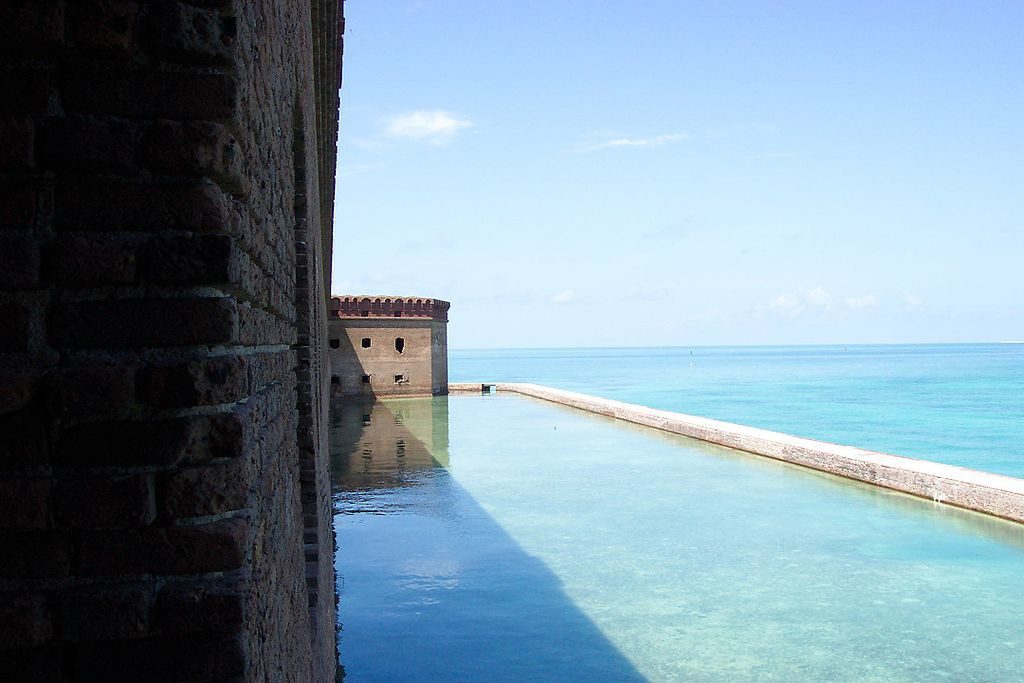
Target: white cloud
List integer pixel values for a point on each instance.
(815, 300)
(655, 141)
(912, 300)
(789, 304)
(862, 302)
(563, 297)
(819, 297)
(436, 127)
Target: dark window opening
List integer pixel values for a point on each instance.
(366, 342)
(399, 345)
(335, 379)
(366, 379)
(400, 379)
(335, 343)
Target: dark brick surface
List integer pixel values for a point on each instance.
(194, 206)
(35, 554)
(165, 217)
(160, 660)
(208, 381)
(127, 443)
(17, 143)
(14, 327)
(105, 612)
(105, 501)
(25, 503)
(92, 261)
(199, 608)
(25, 620)
(209, 259)
(118, 91)
(19, 260)
(129, 323)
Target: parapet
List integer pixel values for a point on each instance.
(379, 306)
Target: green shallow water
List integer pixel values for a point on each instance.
(502, 538)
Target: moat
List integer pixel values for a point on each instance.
(521, 540)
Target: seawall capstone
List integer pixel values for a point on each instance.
(992, 494)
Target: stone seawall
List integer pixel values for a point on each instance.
(992, 494)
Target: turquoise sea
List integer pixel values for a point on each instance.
(961, 404)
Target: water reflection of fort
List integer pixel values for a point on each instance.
(383, 444)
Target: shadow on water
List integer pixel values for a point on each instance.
(431, 586)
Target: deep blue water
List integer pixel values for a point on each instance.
(961, 404)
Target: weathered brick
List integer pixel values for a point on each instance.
(34, 555)
(224, 435)
(160, 660)
(92, 261)
(199, 259)
(195, 549)
(222, 379)
(194, 148)
(204, 608)
(205, 490)
(214, 547)
(17, 143)
(17, 205)
(190, 35)
(18, 388)
(104, 27)
(158, 442)
(31, 27)
(25, 620)
(111, 612)
(118, 91)
(14, 327)
(19, 260)
(101, 391)
(145, 322)
(113, 502)
(192, 206)
(26, 90)
(33, 665)
(94, 145)
(25, 503)
(23, 442)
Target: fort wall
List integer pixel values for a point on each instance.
(166, 193)
(383, 346)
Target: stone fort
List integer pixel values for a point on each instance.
(388, 346)
(167, 175)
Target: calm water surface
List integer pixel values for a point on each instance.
(961, 404)
(501, 538)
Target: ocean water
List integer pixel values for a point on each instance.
(961, 404)
(501, 538)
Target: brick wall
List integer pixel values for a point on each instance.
(166, 192)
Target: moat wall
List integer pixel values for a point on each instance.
(166, 194)
(984, 492)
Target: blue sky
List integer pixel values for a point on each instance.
(687, 173)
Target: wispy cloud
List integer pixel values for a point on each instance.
(654, 141)
(818, 301)
(435, 127)
(861, 302)
(563, 297)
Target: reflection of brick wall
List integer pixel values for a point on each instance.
(166, 192)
